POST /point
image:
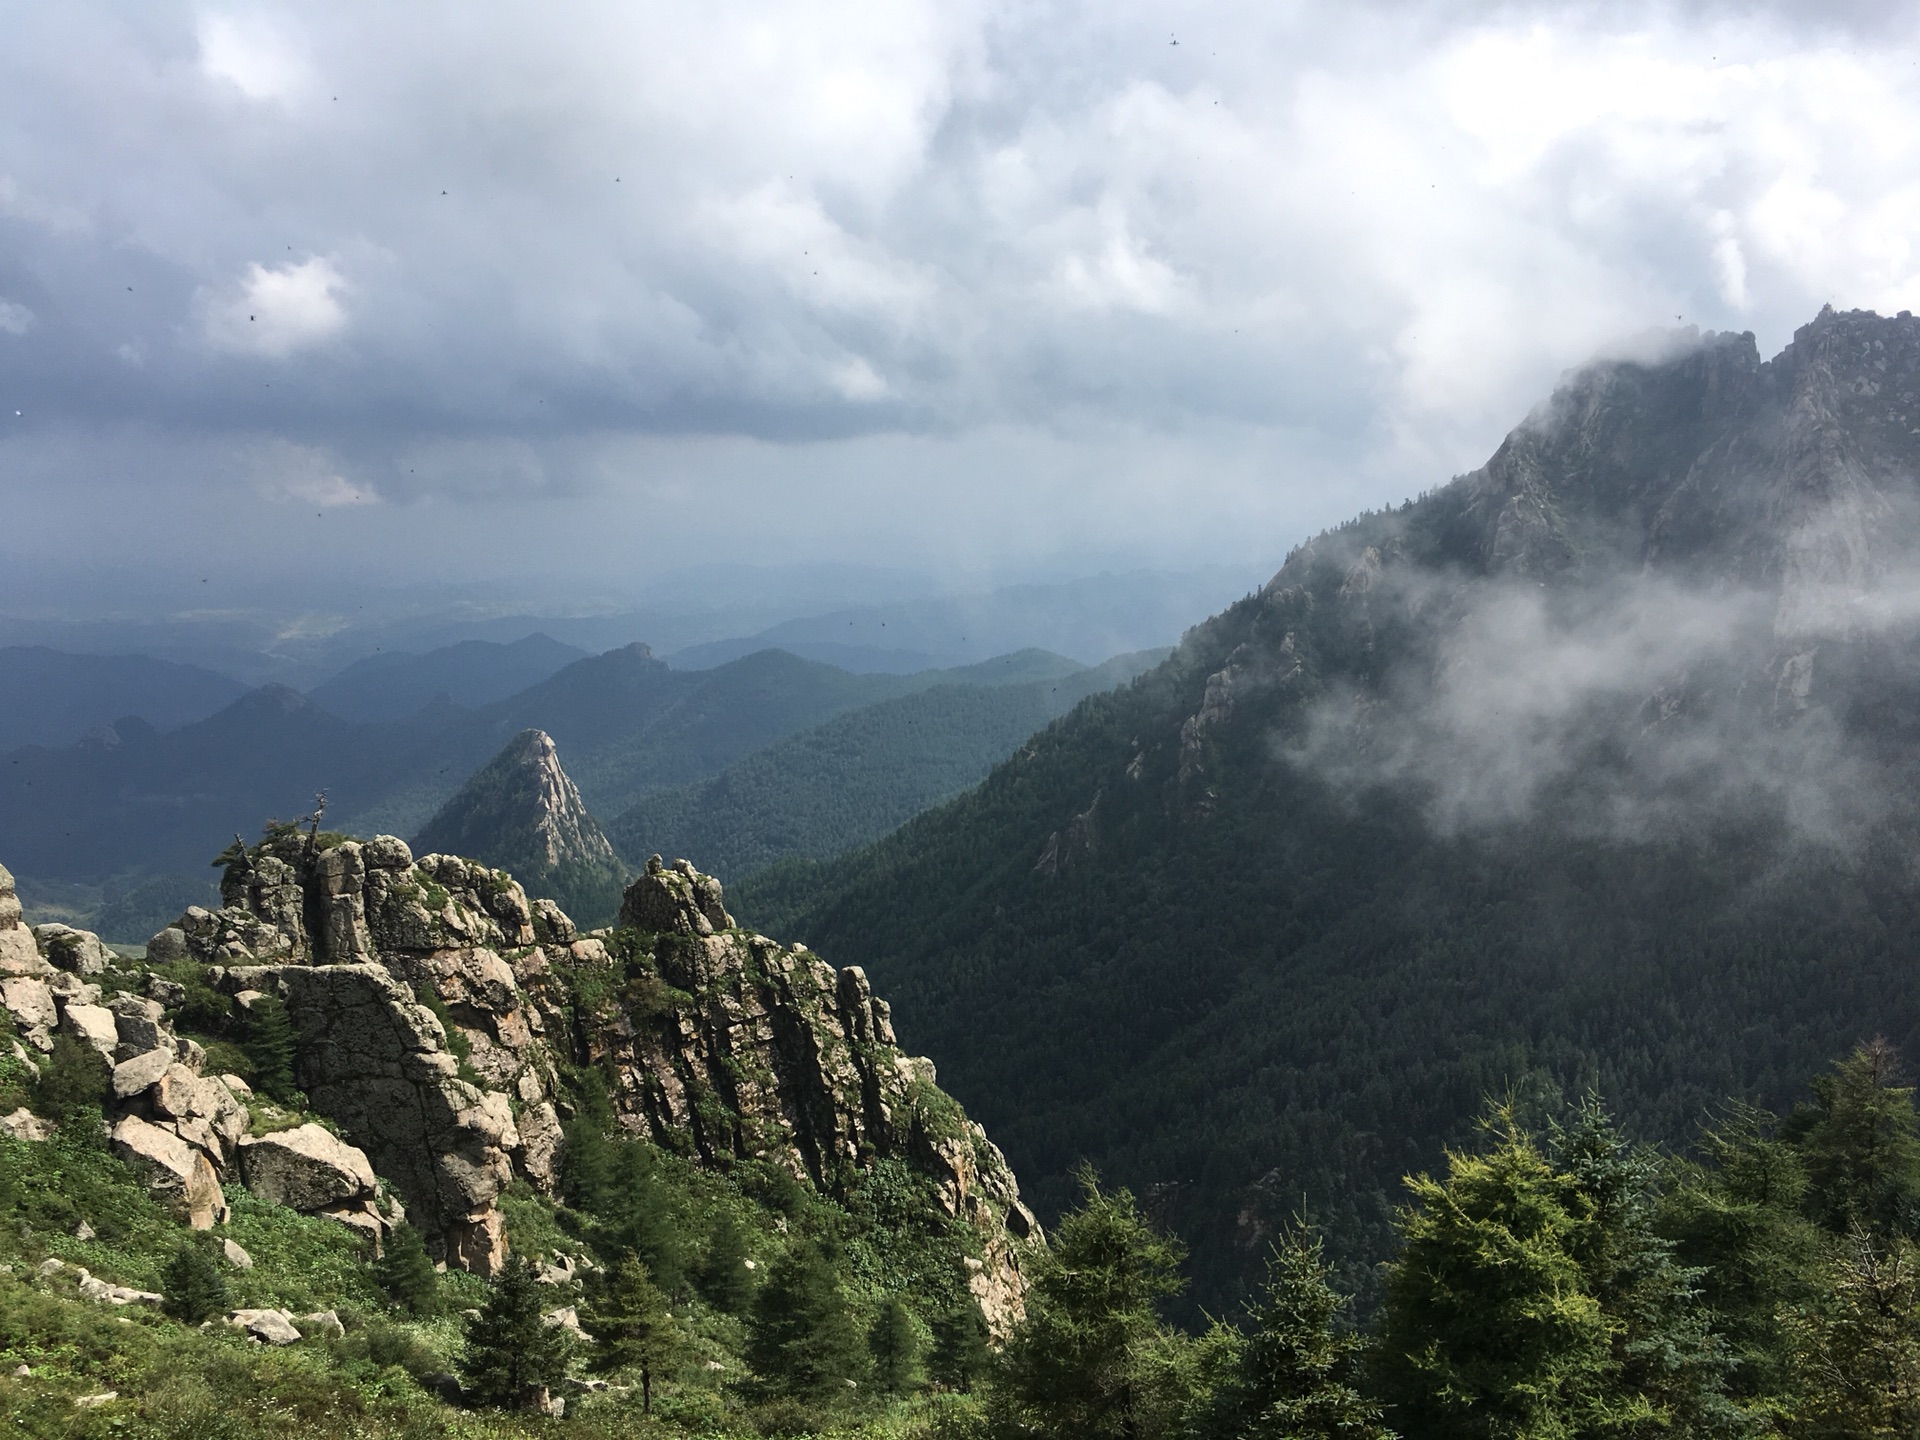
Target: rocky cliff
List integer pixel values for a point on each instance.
(442, 1021)
(523, 813)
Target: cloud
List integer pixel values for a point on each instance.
(15, 318)
(1356, 241)
(273, 313)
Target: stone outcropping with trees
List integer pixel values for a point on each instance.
(442, 1024)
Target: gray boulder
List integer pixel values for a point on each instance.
(306, 1168)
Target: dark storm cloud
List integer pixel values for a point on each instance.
(716, 270)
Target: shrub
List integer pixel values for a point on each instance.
(194, 1288)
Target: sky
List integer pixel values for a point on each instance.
(576, 297)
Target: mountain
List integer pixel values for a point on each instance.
(1089, 619)
(1594, 767)
(130, 799)
(51, 698)
(520, 812)
(472, 673)
(851, 780)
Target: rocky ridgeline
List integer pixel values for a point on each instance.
(184, 1131)
(435, 1008)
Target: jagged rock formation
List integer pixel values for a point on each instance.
(730, 1046)
(522, 813)
(433, 1006)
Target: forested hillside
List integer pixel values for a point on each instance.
(1591, 767)
(853, 779)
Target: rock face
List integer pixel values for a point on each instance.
(432, 1004)
(18, 954)
(521, 812)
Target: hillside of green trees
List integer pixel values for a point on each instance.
(855, 778)
(1514, 787)
(1550, 1278)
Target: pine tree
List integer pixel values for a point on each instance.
(406, 1273)
(270, 1047)
(73, 1080)
(513, 1357)
(802, 1341)
(1532, 1296)
(960, 1354)
(192, 1285)
(1300, 1374)
(1860, 1143)
(725, 1278)
(1857, 1345)
(894, 1344)
(1490, 1330)
(637, 1210)
(1737, 1220)
(631, 1324)
(1075, 1366)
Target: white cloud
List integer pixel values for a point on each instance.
(15, 318)
(273, 313)
(249, 50)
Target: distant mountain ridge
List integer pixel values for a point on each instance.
(48, 697)
(852, 779)
(473, 673)
(134, 799)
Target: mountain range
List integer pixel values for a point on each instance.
(1591, 768)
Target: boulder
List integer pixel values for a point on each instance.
(78, 952)
(236, 1254)
(18, 954)
(306, 1168)
(23, 1124)
(168, 946)
(100, 1290)
(183, 1178)
(140, 1025)
(92, 1025)
(240, 1089)
(130, 1077)
(270, 1327)
(324, 1322)
(30, 1003)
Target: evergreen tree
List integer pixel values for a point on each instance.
(1490, 1330)
(1076, 1366)
(725, 1278)
(960, 1354)
(192, 1285)
(270, 1047)
(73, 1080)
(1736, 1219)
(513, 1357)
(1857, 1344)
(894, 1344)
(631, 1324)
(1299, 1374)
(1860, 1143)
(1669, 1365)
(802, 1340)
(406, 1273)
(637, 1209)
(1533, 1297)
